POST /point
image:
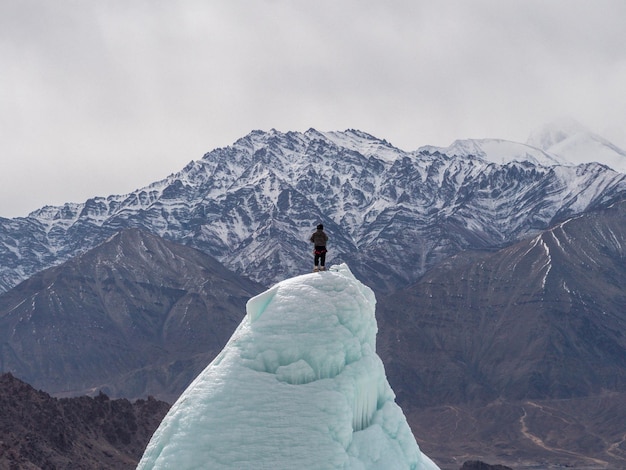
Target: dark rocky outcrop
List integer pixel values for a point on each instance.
(478, 465)
(41, 432)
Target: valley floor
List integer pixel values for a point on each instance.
(580, 433)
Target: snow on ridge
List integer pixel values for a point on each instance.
(497, 151)
(68, 211)
(571, 146)
(563, 142)
(587, 183)
(582, 148)
(231, 192)
(365, 144)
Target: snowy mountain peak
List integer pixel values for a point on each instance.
(299, 385)
(363, 143)
(569, 140)
(350, 139)
(497, 151)
(553, 133)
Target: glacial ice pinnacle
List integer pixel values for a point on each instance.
(299, 385)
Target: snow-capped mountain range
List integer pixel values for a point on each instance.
(391, 214)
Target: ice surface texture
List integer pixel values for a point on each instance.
(299, 385)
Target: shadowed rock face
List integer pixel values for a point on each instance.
(39, 431)
(518, 355)
(543, 318)
(137, 315)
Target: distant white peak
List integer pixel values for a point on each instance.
(572, 142)
(497, 151)
(550, 134)
(588, 148)
(364, 143)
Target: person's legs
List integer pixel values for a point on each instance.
(323, 260)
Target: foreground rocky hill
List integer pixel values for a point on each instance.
(41, 432)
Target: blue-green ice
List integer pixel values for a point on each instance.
(298, 386)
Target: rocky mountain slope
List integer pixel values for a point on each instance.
(489, 354)
(523, 347)
(38, 431)
(543, 318)
(391, 214)
(137, 315)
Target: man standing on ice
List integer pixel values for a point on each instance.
(319, 239)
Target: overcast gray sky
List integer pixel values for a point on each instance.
(103, 97)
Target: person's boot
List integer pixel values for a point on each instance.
(315, 269)
(322, 268)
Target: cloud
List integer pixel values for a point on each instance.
(104, 97)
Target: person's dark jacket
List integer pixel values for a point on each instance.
(319, 238)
